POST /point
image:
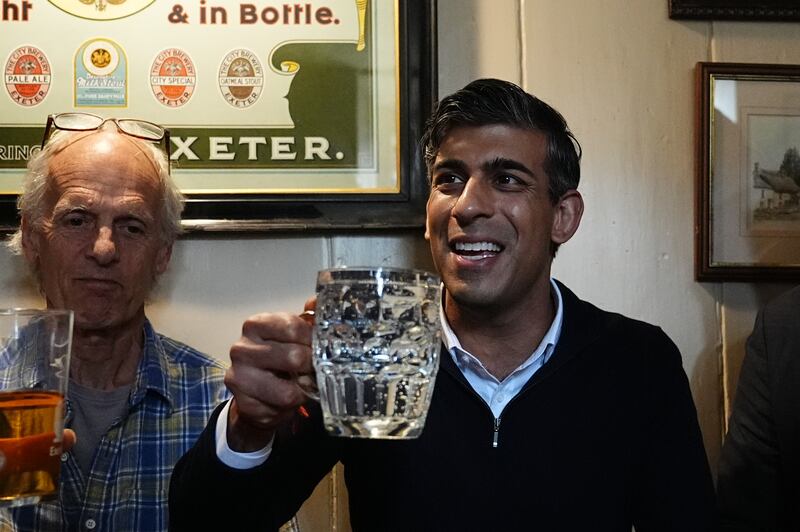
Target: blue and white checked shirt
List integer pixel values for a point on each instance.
(175, 391)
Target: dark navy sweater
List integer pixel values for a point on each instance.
(604, 436)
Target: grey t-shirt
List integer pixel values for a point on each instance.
(93, 413)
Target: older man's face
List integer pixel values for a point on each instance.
(98, 250)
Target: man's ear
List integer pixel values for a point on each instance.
(30, 242)
(568, 213)
(427, 228)
(163, 256)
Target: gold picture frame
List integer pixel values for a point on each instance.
(748, 172)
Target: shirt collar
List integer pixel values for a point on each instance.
(545, 347)
(153, 372)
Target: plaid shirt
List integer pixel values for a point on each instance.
(175, 391)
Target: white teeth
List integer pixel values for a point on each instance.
(476, 246)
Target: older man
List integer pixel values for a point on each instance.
(547, 413)
(99, 216)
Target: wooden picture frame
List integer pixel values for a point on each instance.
(767, 10)
(747, 213)
(359, 95)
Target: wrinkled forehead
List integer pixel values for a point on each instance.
(107, 144)
(104, 163)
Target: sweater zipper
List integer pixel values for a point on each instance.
(496, 427)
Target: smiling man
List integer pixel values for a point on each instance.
(99, 217)
(547, 414)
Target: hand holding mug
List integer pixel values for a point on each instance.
(264, 361)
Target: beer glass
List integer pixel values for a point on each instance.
(376, 348)
(34, 371)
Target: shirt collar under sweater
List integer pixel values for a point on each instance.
(495, 393)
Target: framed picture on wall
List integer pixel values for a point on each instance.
(288, 117)
(775, 10)
(748, 172)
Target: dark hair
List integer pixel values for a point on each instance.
(492, 101)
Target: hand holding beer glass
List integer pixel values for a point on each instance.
(375, 347)
(34, 371)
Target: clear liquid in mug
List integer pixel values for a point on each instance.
(376, 355)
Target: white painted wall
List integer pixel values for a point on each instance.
(622, 74)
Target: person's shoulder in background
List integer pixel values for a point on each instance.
(784, 311)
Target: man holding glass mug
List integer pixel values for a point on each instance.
(547, 413)
(99, 215)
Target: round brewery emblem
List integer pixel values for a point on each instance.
(172, 77)
(27, 76)
(100, 57)
(241, 78)
(101, 9)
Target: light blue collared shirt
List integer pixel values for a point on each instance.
(497, 393)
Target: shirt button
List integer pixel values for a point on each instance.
(90, 524)
(501, 398)
(64, 457)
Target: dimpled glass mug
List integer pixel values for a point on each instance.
(376, 348)
(34, 371)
